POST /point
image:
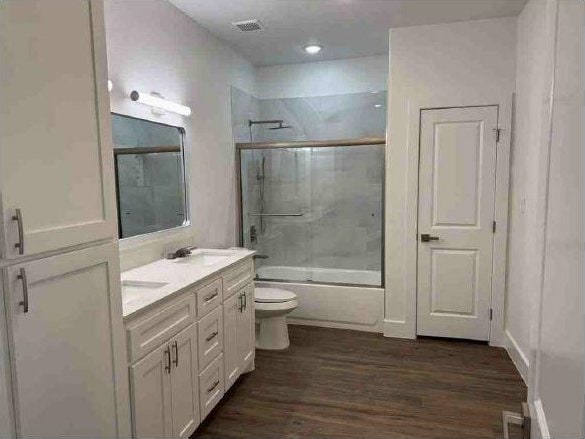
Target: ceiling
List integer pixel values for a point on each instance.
(346, 28)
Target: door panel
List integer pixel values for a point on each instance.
(456, 210)
(56, 162)
(231, 310)
(245, 321)
(151, 395)
(185, 382)
(67, 352)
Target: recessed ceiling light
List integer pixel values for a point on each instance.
(312, 49)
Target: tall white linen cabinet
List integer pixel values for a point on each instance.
(63, 363)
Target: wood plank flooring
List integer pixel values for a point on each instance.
(349, 384)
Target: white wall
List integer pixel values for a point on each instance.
(353, 75)
(531, 95)
(557, 371)
(152, 46)
(457, 64)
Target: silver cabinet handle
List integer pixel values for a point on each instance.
(20, 244)
(211, 296)
(168, 362)
(24, 301)
(212, 388)
(240, 303)
(245, 299)
(212, 336)
(176, 348)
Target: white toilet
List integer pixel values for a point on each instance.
(272, 305)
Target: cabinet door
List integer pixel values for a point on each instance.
(231, 354)
(151, 394)
(185, 382)
(66, 343)
(246, 344)
(56, 161)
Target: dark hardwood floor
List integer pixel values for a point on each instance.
(338, 383)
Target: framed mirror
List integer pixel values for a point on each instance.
(149, 161)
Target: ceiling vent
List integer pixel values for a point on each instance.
(248, 25)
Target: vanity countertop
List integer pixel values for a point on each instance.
(147, 285)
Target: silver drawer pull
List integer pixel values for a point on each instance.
(212, 336)
(18, 218)
(212, 388)
(211, 296)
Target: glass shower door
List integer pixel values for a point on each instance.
(276, 205)
(314, 214)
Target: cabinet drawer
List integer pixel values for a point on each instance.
(210, 336)
(211, 386)
(209, 297)
(149, 333)
(237, 278)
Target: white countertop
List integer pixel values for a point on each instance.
(144, 286)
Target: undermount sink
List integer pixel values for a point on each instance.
(131, 287)
(205, 258)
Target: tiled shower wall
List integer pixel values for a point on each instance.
(339, 191)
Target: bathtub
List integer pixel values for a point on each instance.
(330, 304)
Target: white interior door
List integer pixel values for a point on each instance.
(56, 161)
(456, 213)
(67, 346)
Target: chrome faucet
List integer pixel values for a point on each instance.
(181, 253)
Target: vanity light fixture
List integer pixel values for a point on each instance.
(110, 85)
(378, 105)
(159, 103)
(313, 49)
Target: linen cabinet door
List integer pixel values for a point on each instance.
(185, 382)
(246, 330)
(66, 344)
(56, 161)
(231, 354)
(151, 395)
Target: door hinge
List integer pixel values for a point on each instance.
(497, 132)
(494, 227)
(491, 314)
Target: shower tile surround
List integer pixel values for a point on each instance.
(339, 190)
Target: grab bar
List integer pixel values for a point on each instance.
(277, 214)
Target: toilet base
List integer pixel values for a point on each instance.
(272, 333)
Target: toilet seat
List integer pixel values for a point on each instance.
(273, 295)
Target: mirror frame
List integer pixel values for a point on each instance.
(187, 220)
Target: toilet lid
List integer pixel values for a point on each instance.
(272, 295)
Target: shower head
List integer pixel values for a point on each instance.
(280, 126)
(280, 123)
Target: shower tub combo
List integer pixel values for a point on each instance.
(313, 210)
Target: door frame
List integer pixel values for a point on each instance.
(498, 290)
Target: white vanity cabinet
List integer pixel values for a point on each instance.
(56, 162)
(67, 346)
(239, 333)
(185, 351)
(165, 390)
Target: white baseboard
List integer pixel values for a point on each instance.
(518, 357)
(398, 329)
(539, 425)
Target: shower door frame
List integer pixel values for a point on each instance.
(362, 141)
